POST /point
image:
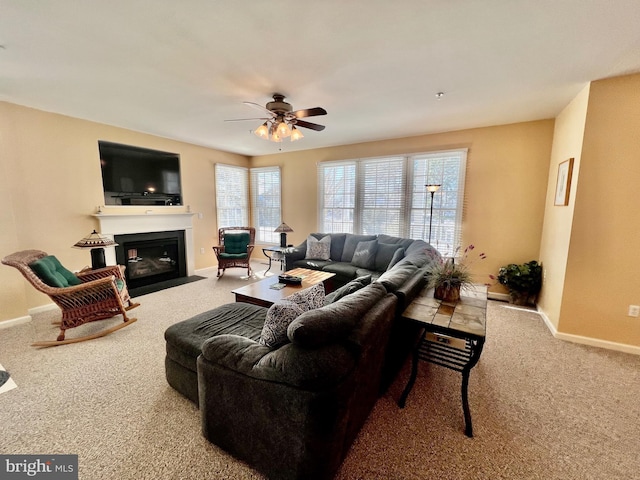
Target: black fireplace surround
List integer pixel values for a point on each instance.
(151, 257)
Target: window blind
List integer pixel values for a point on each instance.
(231, 195)
(266, 203)
(337, 202)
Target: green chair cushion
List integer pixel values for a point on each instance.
(50, 271)
(235, 243)
(237, 256)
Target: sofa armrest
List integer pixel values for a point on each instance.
(294, 254)
(290, 364)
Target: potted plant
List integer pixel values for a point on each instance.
(523, 281)
(447, 277)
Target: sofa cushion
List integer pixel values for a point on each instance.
(397, 256)
(399, 241)
(334, 322)
(236, 243)
(318, 249)
(50, 271)
(350, 245)
(352, 286)
(279, 316)
(312, 264)
(397, 276)
(364, 256)
(341, 269)
(384, 255)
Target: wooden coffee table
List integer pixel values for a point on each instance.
(261, 293)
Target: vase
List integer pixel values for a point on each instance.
(447, 293)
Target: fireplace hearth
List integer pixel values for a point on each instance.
(151, 257)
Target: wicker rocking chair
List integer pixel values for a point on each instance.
(91, 295)
(235, 247)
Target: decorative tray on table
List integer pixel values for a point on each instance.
(289, 279)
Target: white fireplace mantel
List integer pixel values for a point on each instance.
(111, 225)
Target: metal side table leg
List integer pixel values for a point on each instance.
(414, 373)
(475, 356)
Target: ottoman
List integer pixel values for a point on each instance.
(184, 340)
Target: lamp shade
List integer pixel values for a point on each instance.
(95, 240)
(432, 188)
(283, 228)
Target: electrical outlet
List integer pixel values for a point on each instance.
(202, 250)
(634, 310)
(200, 216)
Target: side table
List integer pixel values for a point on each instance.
(453, 337)
(276, 253)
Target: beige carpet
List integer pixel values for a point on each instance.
(542, 408)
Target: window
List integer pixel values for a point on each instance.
(388, 195)
(265, 203)
(337, 190)
(231, 195)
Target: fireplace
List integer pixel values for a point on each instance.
(151, 257)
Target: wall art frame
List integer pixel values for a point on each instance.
(563, 183)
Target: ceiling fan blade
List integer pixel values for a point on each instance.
(312, 126)
(309, 112)
(243, 119)
(261, 108)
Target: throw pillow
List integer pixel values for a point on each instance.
(397, 256)
(384, 255)
(351, 243)
(279, 316)
(364, 255)
(349, 288)
(318, 249)
(309, 298)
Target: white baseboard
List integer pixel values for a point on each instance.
(42, 308)
(15, 321)
(501, 297)
(593, 342)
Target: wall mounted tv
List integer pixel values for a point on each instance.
(139, 176)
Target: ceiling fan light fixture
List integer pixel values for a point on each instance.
(283, 129)
(296, 134)
(262, 131)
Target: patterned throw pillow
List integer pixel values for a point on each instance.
(283, 312)
(309, 298)
(318, 249)
(279, 316)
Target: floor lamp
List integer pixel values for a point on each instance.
(432, 189)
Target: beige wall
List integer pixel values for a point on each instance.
(51, 184)
(504, 193)
(602, 267)
(554, 245)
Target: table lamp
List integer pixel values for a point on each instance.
(282, 229)
(96, 243)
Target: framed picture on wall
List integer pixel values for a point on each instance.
(563, 184)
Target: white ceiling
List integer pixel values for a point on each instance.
(178, 69)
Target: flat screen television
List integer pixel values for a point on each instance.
(139, 176)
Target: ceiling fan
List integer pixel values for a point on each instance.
(280, 121)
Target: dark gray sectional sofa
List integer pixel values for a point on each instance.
(292, 412)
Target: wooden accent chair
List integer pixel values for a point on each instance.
(84, 297)
(234, 248)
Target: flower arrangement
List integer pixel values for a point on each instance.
(448, 276)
